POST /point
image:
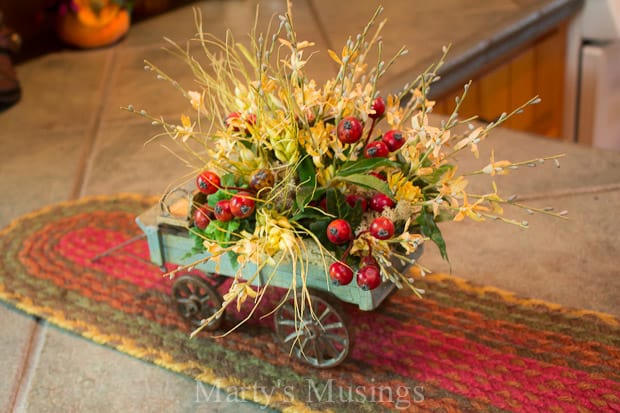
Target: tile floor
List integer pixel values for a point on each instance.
(68, 138)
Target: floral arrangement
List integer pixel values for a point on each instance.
(290, 170)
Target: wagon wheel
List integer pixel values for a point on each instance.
(321, 341)
(197, 300)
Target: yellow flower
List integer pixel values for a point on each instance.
(472, 140)
(246, 248)
(239, 291)
(185, 130)
(394, 112)
(195, 99)
(470, 210)
(450, 186)
(274, 232)
(325, 175)
(410, 242)
(360, 246)
(496, 167)
(403, 188)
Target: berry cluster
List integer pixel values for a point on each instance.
(339, 232)
(350, 131)
(368, 276)
(240, 205)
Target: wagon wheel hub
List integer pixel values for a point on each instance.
(192, 305)
(318, 337)
(197, 300)
(311, 329)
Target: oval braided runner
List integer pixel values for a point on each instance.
(461, 348)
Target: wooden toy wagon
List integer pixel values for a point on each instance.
(322, 341)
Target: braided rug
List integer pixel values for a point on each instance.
(461, 348)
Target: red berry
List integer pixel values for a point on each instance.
(242, 204)
(208, 182)
(369, 277)
(381, 201)
(378, 105)
(235, 119)
(349, 130)
(230, 120)
(222, 211)
(339, 231)
(369, 260)
(262, 178)
(201, 217)
(250, 119)
(352, 201)
(382, 228)
(310, 117)
(340, 273)
(376, 149)
(393, 139)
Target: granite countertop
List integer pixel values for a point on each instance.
(480, 32)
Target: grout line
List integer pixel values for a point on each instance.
(24, 381)
(317, 20)
(93, 128)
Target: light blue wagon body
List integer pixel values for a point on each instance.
(169, 244)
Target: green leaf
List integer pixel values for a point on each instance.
(217, 197)
(337, 205)
(367, 181)
(307, 194)
(308, 213)
(362, 166)
(307, 172)
(225, 181)
(228, 180)
(437, 174)
(355, 214)
(319, 229)
(221, 232)
(429, 229)
(197, 235)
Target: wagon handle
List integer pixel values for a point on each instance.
(163, 205)
(117, 247)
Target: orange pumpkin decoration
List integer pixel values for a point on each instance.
(96, 23)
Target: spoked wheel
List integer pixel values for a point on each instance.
(197, 300)
(321, 340)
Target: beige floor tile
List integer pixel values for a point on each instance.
(238, 16)
(123, 163)
(131, 84)
(37, 168)
(14, 341)
(74, 375)
(571, 262)
(60, 91)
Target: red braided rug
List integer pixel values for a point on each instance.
(462, 348)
